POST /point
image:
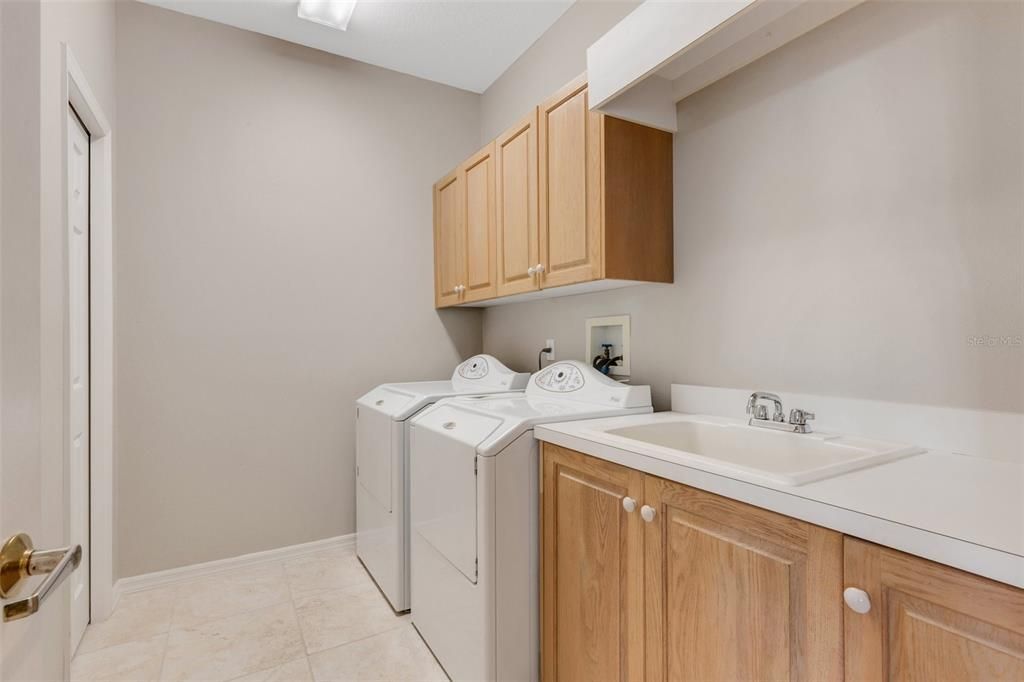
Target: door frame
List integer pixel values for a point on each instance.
(77, 92)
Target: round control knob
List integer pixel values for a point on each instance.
(857, 599)
(647, 512)
(629, 504)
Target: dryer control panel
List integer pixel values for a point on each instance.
(486, 372)
(573, 380)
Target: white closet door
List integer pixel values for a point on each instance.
(78, 365)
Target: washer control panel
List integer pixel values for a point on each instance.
(561, 378)
(579, 382)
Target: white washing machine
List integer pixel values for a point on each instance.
(382, 487)
(474, 514)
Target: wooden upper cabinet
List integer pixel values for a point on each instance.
(570, 187)
(516, 188)
(449, 239)
(605, 194)
(592, 575)
(565, 196)
(481, 248)
(928, 621)
(738, 593)
(465, 238)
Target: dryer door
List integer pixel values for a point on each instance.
(444, 483)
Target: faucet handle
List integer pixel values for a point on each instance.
(800, 417)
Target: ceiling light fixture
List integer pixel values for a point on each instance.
(333, 13)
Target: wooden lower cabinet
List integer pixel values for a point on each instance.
(647, 579)
(592, 556)
(929, 622)
(734, 592)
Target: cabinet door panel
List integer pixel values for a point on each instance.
(929, 622)
(570, 188)
(449, 241)
(735, 592)
(592, 589)
(516, 153)
(727, 591)
(478, 174)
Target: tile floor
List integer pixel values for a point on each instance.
(317, 617)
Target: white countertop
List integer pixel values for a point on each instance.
(963, 511)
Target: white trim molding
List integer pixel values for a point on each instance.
(146, 581)
(78, 93)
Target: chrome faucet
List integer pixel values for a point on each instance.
(759, 414)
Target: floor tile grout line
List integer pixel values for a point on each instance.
(80, 653)
(295, 612)
(133, 640)
(171, 626)
(360, 639)
(207, 621)
(273, 667)
(368, 580)
(163, 658)
(165, 631)
(176, 590)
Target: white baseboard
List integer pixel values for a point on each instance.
(146, 581)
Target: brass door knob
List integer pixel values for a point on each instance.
(14, 560)
(19, 560)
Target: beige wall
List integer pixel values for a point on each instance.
(848, 214)
(32, 285)
(274, 261)
(557, 57)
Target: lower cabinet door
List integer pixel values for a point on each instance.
(592, 576)
(925, 621)
(734, 592)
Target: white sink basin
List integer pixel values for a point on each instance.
(730, 448)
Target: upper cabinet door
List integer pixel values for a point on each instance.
(929, 622)
(518, 249)
(449, 241)
(481, 247)
(592, 589)
(734, 592)
(570, 187)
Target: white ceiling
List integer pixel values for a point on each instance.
(464, 43)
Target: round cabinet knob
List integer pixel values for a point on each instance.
(629, 504)
(539, 269)
(647, 512)
(531, 271)
(857, 599)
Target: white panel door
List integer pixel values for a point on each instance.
(78, 366)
